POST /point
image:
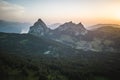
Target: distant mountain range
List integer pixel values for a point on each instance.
(103, 38)
(13, 27)
(17, 27)
(94, 27)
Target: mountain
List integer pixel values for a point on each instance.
(105, 38)
(27, 57)
(68, 33)
(71, 28)
(13, 27)
(39, 28)
(70, 52)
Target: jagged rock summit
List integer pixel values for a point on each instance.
(72, 29)
(39, 28)
(69, 28)
(69, 33)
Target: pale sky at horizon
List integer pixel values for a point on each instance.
(89, 12)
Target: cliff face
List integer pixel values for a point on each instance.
(76, 36)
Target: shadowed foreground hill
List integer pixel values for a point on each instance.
(26, 57)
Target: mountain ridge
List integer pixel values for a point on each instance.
(77, 36)
(97, 26)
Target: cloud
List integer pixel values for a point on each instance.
(10, 11)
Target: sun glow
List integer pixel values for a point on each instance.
(89, 12)
(118, 15)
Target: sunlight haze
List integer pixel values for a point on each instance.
(89, 12)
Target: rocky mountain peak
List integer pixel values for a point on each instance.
(68, 24)
(39, 23)
(39, 20)
(81, 28)
(71, 28)
(39, 28)
(80, 24)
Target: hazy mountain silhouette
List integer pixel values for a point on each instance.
(13, 27)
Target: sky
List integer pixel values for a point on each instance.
(89, 12)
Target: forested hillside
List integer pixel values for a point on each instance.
(25, 57)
